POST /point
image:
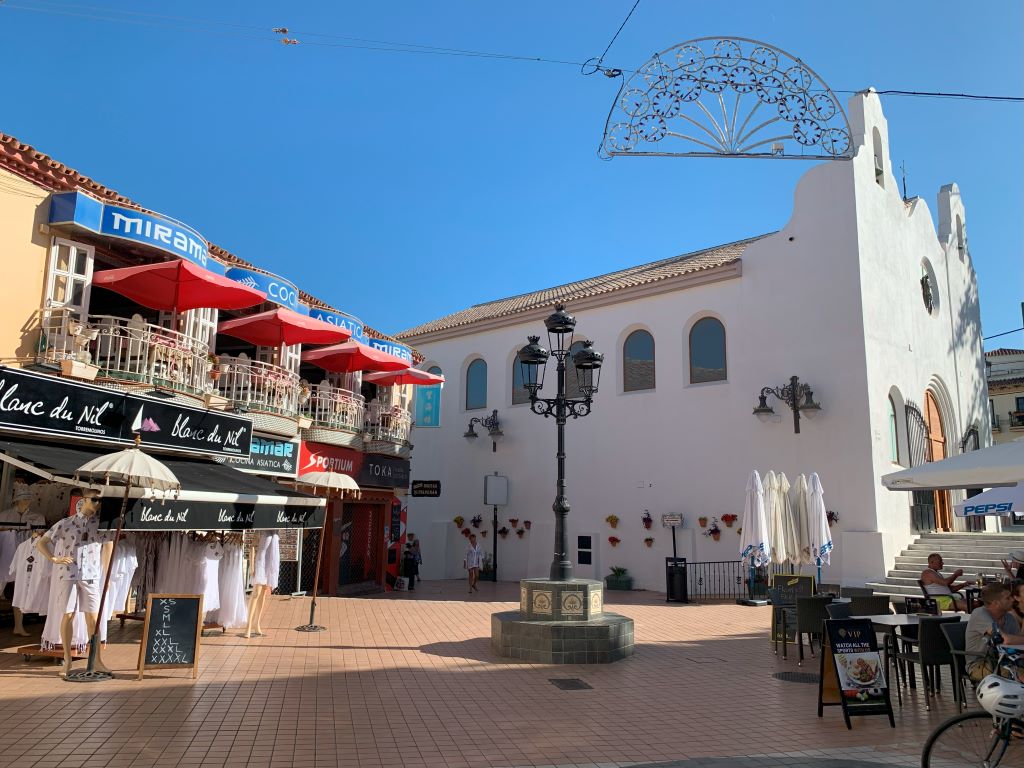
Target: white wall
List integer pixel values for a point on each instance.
(810, 302)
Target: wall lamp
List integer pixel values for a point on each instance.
(491, 424)
(797, 396)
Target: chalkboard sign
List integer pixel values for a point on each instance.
(790, 587)
(171, 632)
(852, 675)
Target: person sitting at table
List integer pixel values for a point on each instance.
(943, 588)
(994, 610)
(1017, 596)
(1015, 567)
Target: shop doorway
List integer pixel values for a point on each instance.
(937, 452)
(360, 555)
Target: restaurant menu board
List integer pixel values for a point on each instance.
(790, 587)
(171, 633)
(852, 674)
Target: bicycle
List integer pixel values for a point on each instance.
(992, 737)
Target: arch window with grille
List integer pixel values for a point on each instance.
(707, 351)
(638, 362)
(476, 385)
(894, 447)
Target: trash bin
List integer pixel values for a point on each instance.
(675, 580)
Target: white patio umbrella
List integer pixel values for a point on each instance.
(821, 534)
(789, 523)
(801, 505)
(997, 465)
(330, 482)
(131, 468)
(754, 545)
(997, 501)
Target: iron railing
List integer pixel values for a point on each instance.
(335, 408)
(729, 580)
(388, 422)
(126, 349)
(257, 386)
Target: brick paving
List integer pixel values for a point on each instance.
(409, 679)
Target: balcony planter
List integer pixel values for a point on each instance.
(78, 369)
(305, 422)
(213, 400)
(619, 579)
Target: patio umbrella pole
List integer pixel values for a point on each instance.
(313, 627)
(91, 675)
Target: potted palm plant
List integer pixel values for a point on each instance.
(619, 578)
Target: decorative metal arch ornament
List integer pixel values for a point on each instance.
(732, 97)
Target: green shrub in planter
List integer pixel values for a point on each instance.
(618, 579)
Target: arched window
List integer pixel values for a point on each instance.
(637, 362)
(572, 382)
(879, 165)
(894, 446)
(476, 385)
(961, 242)
(519, 393)
(707, 351)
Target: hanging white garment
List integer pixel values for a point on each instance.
(821, 534)
(9, 541)
(788, 520)
(55, 615)
(231, 584)
(799, 500)
(267, 564)
(213, 554)
(754, 545)
(122, 570)
(30, 572)
(146, 548)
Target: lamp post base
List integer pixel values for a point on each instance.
(562, 622)
(311, 628)
(86, 676)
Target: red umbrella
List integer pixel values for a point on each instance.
(178, 286)
(353, 356)
(413, 376)
(282, 326)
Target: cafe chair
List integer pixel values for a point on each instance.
(831, 590)
(956, 638)
(856, 592)
(810, 617)
(839, 610)
(783, 614)
(930, 653)
(873, 605)
(919, 605)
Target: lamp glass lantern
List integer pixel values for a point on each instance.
(808, 407)
(763, 411)
(588, 368)
(533, 360)
(560, 324)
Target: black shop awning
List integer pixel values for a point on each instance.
(213, 496)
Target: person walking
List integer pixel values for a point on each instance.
(410, 568)
(419, 558)
(474, 559)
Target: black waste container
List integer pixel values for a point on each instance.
(675, 580)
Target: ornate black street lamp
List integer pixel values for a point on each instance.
(587, 361)
(797, 396)
(491, 424)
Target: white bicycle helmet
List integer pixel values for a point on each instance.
(1001, 697)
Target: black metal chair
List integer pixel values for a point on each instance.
(956, 637)
(839, 610)
(810, 617)
(931, 653)
(783, 614)
(856, 592)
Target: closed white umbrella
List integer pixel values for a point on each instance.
(821, 534)
(327, 481)
(773, 514)
(789, 523)
(133, 469)
(801, 508)
(754, 545)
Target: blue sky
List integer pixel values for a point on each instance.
(401, 187)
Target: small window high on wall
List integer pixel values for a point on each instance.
(476, 385)
(876, 142)
(638, 362)
(707, 351)
(894, 446)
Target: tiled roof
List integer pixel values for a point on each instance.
(1004, 351)
(39, 168)
(631, 277)
(1014, 383)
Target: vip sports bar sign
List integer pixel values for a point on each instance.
(39, 404)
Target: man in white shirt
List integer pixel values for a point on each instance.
(80, 554)
(944, 588)
(474, 559)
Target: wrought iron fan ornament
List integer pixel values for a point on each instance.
(733, 97)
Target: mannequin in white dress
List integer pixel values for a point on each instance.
(265, 558)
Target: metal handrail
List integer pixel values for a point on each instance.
(257, 386)
(336, 408)
(390, 423)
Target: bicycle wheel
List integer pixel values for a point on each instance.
(970, 739)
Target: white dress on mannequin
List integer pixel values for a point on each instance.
(267, 565)
(213, 554)
(231, 583)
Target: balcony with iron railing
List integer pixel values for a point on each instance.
(255, 386)
(121, 349)
(388, 423)
(333, 408)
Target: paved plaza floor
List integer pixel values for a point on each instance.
(409, 679)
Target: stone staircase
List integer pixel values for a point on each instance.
(976, 553)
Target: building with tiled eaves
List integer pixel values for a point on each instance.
(1004, 368)
(859, 294)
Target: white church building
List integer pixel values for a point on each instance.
(886, 331)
